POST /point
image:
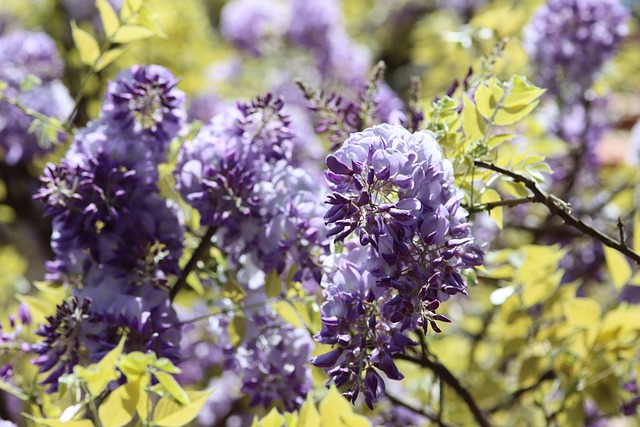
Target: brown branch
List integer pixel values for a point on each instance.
(507, 203)
(427, 414)
(447, 376)
(197, 255)
(516, 395)
(623, 239)
(562, 209)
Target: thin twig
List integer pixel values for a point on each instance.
(195, 257)
(623, 239)
(517, 394)
(486, 207)
(447, 376)
(562, 209)
(427, 414)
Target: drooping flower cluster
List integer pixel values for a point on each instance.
(394, 197)
(570, 40)
(24, 54)
(114, 235)
(237, 173)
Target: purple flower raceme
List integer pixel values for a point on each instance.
(24, 54)
(113, 233)
(394, 196)
(237, 174)
(570, 40)
(144, 104)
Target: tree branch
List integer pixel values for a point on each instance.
(195, 257)
(447, 376)
(513, 397)
(562, 209)
(491, 205)
(427, 414)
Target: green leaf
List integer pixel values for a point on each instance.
(472, 122)
(172, 386)
(108, 16)
(29, 82)
(273, 285)
(618, 267)
(119, 408)
(169, 413)
(85, 43)
(335, 411)
(40, 307)
(288, 313)
(108, 57)
(131, 33)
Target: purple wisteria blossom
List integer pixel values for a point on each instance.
(116, 240)
(393, 195)
(570, 40)
(33, 55)
(237, 173)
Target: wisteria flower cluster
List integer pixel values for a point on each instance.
(406, 243)
(241, 175)
(570, 40)
(114, 236)
(34, 55)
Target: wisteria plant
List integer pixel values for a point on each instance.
(302, 247)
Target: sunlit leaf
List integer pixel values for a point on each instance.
(108, 57)
(131, 33)
(169, 413)
(120, 405)
(583, 312)
(618, 267)
(288, 313)
(108, 16)
(85, 43)
(172, 386)
(472, 122)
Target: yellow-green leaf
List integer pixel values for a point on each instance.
(335, 411)
(85, 43)
(522, 93)
(490, 196)
(166, 365)
(40, 307)
(484, 101)
(509, 115)
(108, 16)
(131, 33)
(54, 422)
(108, 57)
(582, 312)
(309, 416)
(135, 364)
(273, 285)
(172, 386)
(120, 406)
(130, 7)
(636, 231)
(472, 122)
(237, 329)
(169, 413)
(273, 419)
(288, 313)
(618, 267)
(496, 140)
(98, 375)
